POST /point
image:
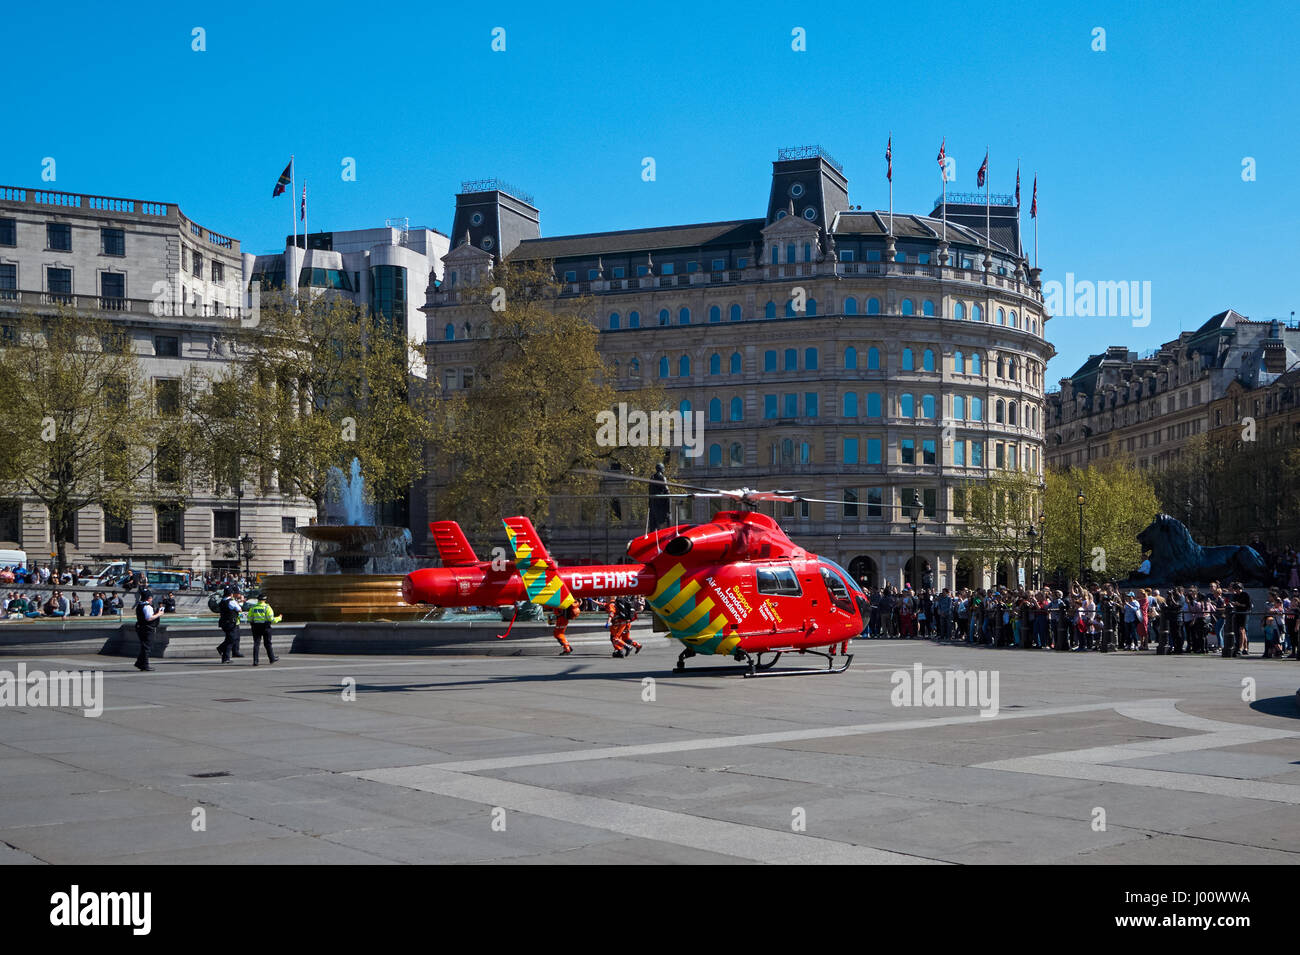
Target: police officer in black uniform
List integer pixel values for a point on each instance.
(146, 625)
(228, 621)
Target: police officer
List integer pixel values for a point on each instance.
(260, 618)
(146, 625)
(229, 624)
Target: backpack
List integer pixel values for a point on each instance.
(214, 602)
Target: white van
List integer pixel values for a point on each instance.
(13, 558)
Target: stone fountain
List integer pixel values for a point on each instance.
(353, 546)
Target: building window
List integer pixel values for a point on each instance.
(850, 306)
(737, 409)
(60, 281)
(169, 526)
(116, 530)
(719, 265)
(665, 317)
(684, 367)
(846, 255)
(666, 268)
(633, 319)
(735, 313)
(791, 402)
(850, 358)
(959, 453)
(976, 313)
(715, 409)
(288, 525)
(959, 311)
(112, 290)
(873, 306)
(715, 455)
(613, 321)
(810, 404)
(167, 395)
(735, 364)
(683, 316)
(11, 521)
(875, 501)
(977, 454)
(927, 308)
(167, 346)
(8, 231)
(791, 359)
(850, 404)
(908, 307)
(873, 359)
(715, 314)
(225, 524)
(874, 450)
(909, 363)
(58, 237)
(198, 265)
(112, 241)
(907, 451)
(715, 364)
(290, 567)
(959, 407)
(664, 367)
(927, 407)
(850, 451)
(850, 504)
(927, 360)
(219, 273)
(737, 455)
(928, 454)
(874, 404)
(619, 272)
(769, 360)
(571, 276)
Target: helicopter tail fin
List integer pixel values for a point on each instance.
(453, 547)
(541, 578)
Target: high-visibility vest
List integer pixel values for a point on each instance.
(261, 612)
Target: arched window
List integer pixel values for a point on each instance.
(805, 452)
(959, 311)
(909, 363)
(908, 308)
(737, 409)
(873, 306)
(959, 407)
(737, 455)
(873, 358)
(1002, 367)
(665, 317)
(1011, 369)
(791, 359)
(810, 359)
(636, 366)
(811, 306)
(975, 364)
(633, 319)
(850, 404)
(850, 358)
(789, 309)
(1011, 412)
(1013, 319)
(776, 255)
(715, 455)
(927, 360)
(663, 367)
(807, 252)
(769, 360)
(613, 320)
(715, 364)
(976, 408)
(735, 365)
(683, 316)
(958, 363)
(684, 406)
(1000, 412)
(907, 406)
(850, 306)
(1002, 316)
(715, 315)
(735, 313)
(789, 252)
(787, 451)
(927, 307)
(874, 404)
(927, 406)
(976, 313)
(449, 333)
(684, 367)
(769, 310)
(715, 409)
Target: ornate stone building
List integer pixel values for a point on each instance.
(829, 353)
(1149, 407)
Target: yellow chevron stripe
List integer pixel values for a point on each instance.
(689, 620)
(685, 594)
(667, 581)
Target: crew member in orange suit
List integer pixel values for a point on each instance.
(561, 623)
(620, 628)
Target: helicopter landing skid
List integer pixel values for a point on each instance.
(758, 668)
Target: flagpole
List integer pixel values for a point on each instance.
(988, 175)
(891, 182)
(1035, 222)
(293, 252)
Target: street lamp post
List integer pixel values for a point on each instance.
(1042, 547)
(1081, 499)
(1033, 539)
(914, 509)
(246, 548)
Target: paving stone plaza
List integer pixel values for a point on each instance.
(1119, 758)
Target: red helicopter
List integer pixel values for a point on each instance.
(735, 586)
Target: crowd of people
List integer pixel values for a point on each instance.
(44, 575)
(1093, 617)
(20, 605)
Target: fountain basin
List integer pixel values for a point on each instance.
(339, 597)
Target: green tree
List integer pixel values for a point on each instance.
(514, 439)
(82, 427)
(1119, 502)
(999, 513)
(316, 383)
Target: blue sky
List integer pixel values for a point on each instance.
(1138, 149)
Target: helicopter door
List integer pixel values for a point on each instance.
(776, 584)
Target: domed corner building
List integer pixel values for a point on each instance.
(826, 352)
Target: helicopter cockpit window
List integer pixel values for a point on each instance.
(839, 593)
(842, 573)
(779, 581)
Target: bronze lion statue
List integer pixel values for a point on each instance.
(1177, 559)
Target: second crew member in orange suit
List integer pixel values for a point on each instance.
(562, 618)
